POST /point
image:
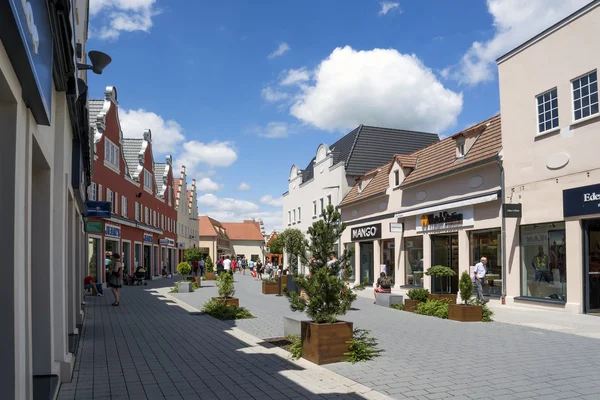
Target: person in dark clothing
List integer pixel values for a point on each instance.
(384, 284)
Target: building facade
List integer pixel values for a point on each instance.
(45, 168)
(234, 239)
(333, 171)
(143, 225)
(550, 119)
(187, 213)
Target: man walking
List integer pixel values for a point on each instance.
(479, 278)
(227, 265)
(202, 263)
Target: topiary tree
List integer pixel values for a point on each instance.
(295, 244)
(439, 271)
(466, 287)
(184, 269)
(193, 254)
(418, 294)
(327, 296)
(208, 264)
(225, 285)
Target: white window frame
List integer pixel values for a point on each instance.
(94, 193)
(99, 192)
(314, 208)
(137, 211)
(111, 155)
(146, 215)
(299, 214)
(148, 181)
(322, 201)
(294, 216)
(109, 198)
(588, 96)
(154, 218)
(397, 177)
(124, 206)
(329, 200)
(289, 217)
(547, 107)
(116, 202)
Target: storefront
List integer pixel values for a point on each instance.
(112, 244)
(365, 240)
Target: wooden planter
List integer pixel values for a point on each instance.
(229, 301)
(284, 280)
(325, 343)
(443, 296)
(463, 313)
(269, 287)
(410, 305)
(210, 276)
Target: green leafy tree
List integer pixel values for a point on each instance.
(225, 285)
(193, 254)
(183, 268)
(466, 287)
(276, 246)
(327, 296)
(208, 264)
(295, 244)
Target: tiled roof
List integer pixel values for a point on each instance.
(206, 226)
(247, 230)
(441, 157)
(94, 107)
(378, 182)
(131, 149)
(159, 172)
(406, 160)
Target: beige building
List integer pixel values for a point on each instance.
(187, 213)
(550, 127)
(436, 206)
(235, 239)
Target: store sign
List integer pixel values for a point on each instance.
(368, 232)
(148, 238)
(180, 245)
(445, 220)
(171, 242)
(163, 242)
(94, 227)
(396, 227)
(98, 209)
(581, 201)
(513, 210)
(112, 230)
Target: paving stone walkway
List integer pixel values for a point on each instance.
(430, 358)
(150, 348)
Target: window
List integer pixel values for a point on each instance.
(162, 217)
(124, 206)
(585, 96)
(315, 208)
(413, 248)
(154, 218)
(116, 203)
(544, 261)
(169, 190)
(294, 214)
(547, 111)
(388, 258)
(461, 150)
(148, 180)
(137, 211)
(147, 216)
(99, 192)
(488, 244)
(93, 196)
(299, 213)
(109, 197)
(328, 199)
(322, 204)
(396, 177)
(289, 217)
(111, 153)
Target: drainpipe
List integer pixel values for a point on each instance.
(503, 232)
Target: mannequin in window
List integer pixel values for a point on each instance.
(541, 266)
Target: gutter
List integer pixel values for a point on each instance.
(503, 232)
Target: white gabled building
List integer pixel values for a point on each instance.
(187, 213)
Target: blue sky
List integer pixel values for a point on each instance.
(238, 91)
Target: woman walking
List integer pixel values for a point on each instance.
(115, 278)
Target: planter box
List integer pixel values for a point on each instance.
(410, 305)
(325, 343)
(270, 287)
(229, 301)
(210, 276)
(387, 299)
(463, 313)
(184, 287)
(284, 280)
(443, 296)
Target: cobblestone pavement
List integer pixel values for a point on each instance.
(430, 358)
(150, 348)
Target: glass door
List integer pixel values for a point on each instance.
(366, 262)
(593, 267)
(147, 261)
(445, 252)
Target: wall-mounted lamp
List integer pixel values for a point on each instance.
(99, 61)
(139, 195)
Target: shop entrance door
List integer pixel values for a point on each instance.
(147, 261)
(593, 266)
(445, 252)
(366, 262)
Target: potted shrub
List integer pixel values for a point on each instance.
(441, 274)
(294, 243)
(184, 269)
(226, 290)
(269, 286)
(193, 255)
(209, 274)
(325, 339)
(465, 312)
(415, 296)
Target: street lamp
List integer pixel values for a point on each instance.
(99, 61)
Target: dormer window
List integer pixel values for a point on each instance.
(397, 177)
(460, 148)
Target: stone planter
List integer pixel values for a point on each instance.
(325, 343)
(184, 287)
(229, 301)
(210, 276)
(410, 305)
(269, 287)
(464, 313)
(443, 296)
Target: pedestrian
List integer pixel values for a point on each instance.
(244, 264)
(89, 283)
(202, 264)
(269, 268)
(116, 277)
(220, 266)
(259, 269)
(479, 278)
(195, 265)
(227, 265)
(234, 265)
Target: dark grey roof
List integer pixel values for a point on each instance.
(131, 149)
(159, 171)
(367, 147)
(94, 107)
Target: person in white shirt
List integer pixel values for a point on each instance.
(227, 264)
(479, 278)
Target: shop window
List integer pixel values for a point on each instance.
(413, 256)
(352, 261)
(488, 244)
(388, 259)
(544, 261)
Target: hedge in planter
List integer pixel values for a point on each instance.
(465, 312)
(325, 339)
(226, 290)
(415, 296)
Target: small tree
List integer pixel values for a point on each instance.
(225, 285)
(439, 271)
(276, 246)
(193, 254)
(327, 294)
(295, 244)
(184, 269)
(209, 264)
(466, 287)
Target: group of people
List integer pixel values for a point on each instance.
(114, 279)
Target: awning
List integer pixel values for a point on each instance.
(447, 206)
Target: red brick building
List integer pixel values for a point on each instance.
(144, 218)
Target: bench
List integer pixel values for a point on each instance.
(387, 299)
(291, 325)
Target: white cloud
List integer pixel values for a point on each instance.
(273, 95)
(213, 154)
(515, 21)
(281, 50)
(234, 210)
(387, 6)
(271, 201)
(294, 76)
(208, 185)
(274, 130)
(166, 135)
(111, 17)
(244, 187)
(376, 87)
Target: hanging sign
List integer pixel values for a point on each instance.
(513, 210)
